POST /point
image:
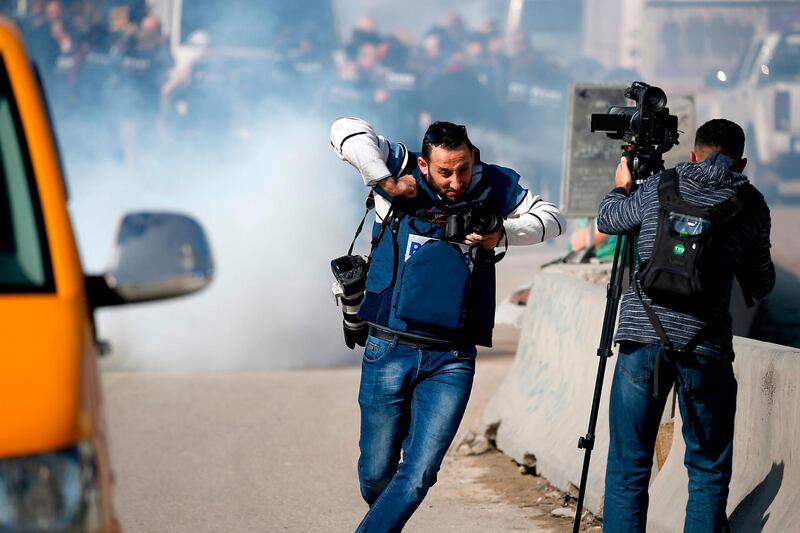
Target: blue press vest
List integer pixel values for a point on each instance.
(419, 283)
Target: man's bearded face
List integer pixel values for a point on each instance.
(449, 171)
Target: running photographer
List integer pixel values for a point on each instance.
(699, 225)
(429, 298)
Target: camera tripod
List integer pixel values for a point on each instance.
(643, 165)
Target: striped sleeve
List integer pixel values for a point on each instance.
(619, 213)
(354, 140)
(533, 221)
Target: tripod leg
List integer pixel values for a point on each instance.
(623, 257)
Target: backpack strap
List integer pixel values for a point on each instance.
(654, 321)
(689, 347)
(746, 196)
(724, 212)
(668, 192)
(746, 199)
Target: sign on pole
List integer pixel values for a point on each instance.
(591, 158)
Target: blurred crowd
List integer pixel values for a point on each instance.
(480, 76)
(93, 56)
(113, 83)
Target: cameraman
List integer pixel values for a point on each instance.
(429, 299)
(703, 375)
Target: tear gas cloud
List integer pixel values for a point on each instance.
(275, 214)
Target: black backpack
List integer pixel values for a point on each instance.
(682, 272)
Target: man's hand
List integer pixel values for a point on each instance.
(623, 176)
(488, 242)
(402, 186)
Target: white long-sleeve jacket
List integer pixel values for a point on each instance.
(355, 141)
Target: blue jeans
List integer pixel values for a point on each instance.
(706, 391)
(412, 400)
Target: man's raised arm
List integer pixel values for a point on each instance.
(378, 160)
(356, 142)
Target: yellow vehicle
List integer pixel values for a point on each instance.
(54, 463)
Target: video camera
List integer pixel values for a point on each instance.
(647, 127)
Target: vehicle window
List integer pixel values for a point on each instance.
(746, 66)
(24, 262)
(785, 63)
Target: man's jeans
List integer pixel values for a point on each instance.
(411, 400)
(707, 400)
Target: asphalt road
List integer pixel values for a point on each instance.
(274, 452)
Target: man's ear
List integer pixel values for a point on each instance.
(740, 164)
(423, 165)
(693, 156)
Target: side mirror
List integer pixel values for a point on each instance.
(157, 256)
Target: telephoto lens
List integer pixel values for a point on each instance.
(350, 272)
(355, 329)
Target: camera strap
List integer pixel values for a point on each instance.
(369, 204)
(504, 237)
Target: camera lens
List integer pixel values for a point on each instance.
(455, 228)
(355, 329)
(485, 223)
(350, 272)
(654, 99)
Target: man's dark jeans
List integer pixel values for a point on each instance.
(707, 400)
(412, 400)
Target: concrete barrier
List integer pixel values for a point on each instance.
(542, 407)
(765, 489)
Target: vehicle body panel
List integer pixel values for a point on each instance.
(49, 385)
(42, 345)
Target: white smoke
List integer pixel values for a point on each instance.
(276, 209)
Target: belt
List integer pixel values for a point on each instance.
(420, 342)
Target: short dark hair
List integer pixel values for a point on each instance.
(723, 136)
(445, 135)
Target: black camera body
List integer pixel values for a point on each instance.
(350, 272)
(460, 223)
(647, 124)
(481, 221)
